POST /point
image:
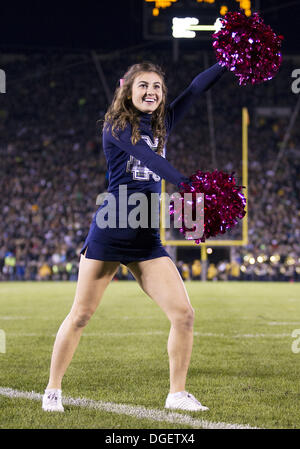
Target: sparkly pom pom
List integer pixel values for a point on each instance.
(248, 47)
(224, 202)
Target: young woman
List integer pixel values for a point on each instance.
(135, 132)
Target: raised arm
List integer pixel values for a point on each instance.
(201, 83)
(143, 153)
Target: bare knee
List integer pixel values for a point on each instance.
(184, 318)
(81, 318)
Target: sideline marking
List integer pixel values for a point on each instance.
(129, 410)
(153, 333)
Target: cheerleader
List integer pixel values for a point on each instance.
(136, 127)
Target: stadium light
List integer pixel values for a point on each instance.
(215, 27)
(181, 26)
(262, 258)
(186, 26)
(223, 10)
(290, 260)
(275, 258)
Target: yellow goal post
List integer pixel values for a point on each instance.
(244, 239)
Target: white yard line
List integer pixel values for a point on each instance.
(129, 410)
(153, 333)
(284, 323)
(262, 335)
(200, 334)
(11, 318)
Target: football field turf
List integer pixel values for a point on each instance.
(244, 367)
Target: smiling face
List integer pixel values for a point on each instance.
(147, 92)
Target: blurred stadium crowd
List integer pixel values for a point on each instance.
(53, 167)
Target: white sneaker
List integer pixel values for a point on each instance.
(184, 401)
(52, 401)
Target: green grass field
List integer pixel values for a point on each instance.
(243, 367)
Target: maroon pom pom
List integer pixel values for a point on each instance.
(224, 202)
(248, 47)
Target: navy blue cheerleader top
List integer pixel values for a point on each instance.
(138, 166)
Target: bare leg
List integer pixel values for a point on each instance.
(159, 278)
(93, 278)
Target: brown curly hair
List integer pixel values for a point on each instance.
(122, 110)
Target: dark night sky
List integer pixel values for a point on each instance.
(108, 25)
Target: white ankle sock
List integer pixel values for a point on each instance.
(176, 395)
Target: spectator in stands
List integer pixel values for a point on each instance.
(44, 272)
(234, 271)
(196, 270)
(185, 270)
(212, 272)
